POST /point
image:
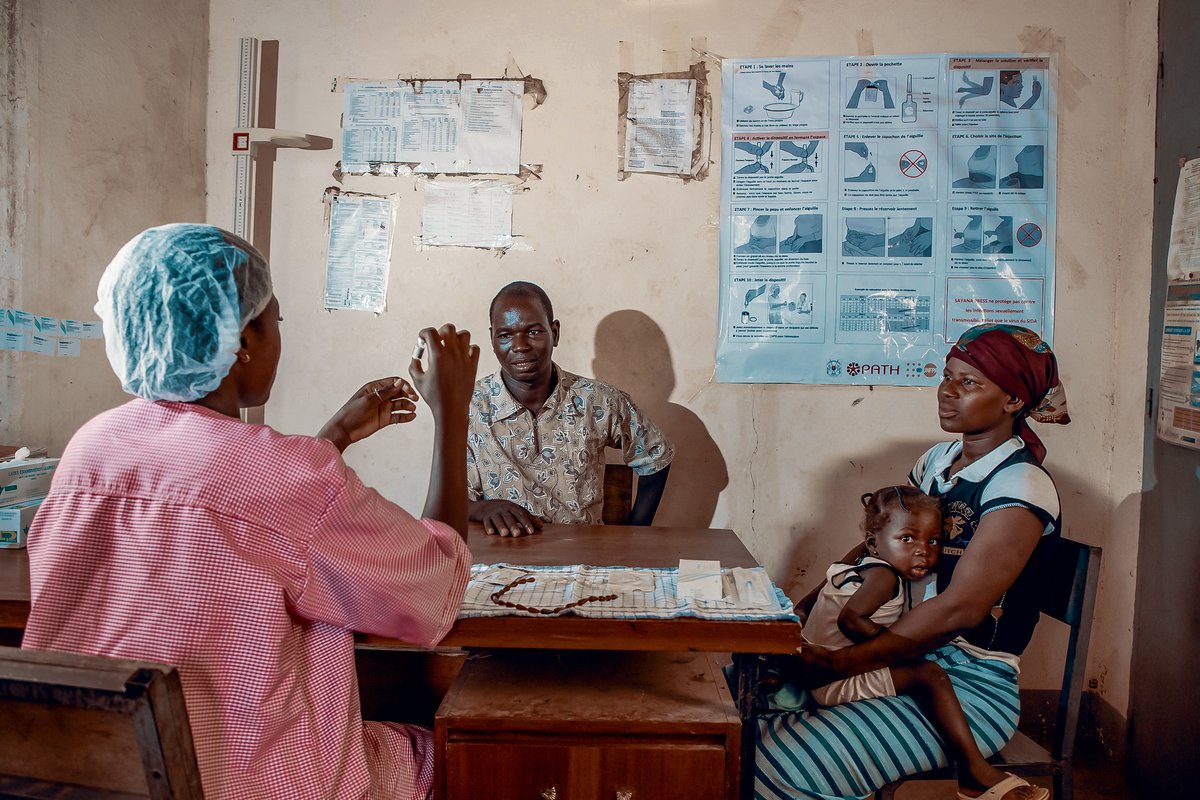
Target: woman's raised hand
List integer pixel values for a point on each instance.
(447, 380)
(382, 402)
(446, 385)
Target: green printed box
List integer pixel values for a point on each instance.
(15, 520)
(25, 480)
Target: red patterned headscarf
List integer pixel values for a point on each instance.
(1020, 363)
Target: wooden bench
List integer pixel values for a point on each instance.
(83, 726)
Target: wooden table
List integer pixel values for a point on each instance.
(595, 545)
(606, 546)
(612, 545)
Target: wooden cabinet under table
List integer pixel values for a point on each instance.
(585, 725)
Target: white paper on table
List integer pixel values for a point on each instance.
(699, 580)
(474, 213)
(660, 125)
(553, 587)
(631, 580)
(500, 575)
(551, 582)
(615, 581)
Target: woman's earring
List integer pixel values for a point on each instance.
(245, 357)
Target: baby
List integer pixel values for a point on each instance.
(903, 528)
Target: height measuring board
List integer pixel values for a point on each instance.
(247, 112)
(244, 141)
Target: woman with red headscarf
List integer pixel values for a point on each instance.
(1001, 520)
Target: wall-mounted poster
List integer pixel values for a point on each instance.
(874, 208)
(1179, 379)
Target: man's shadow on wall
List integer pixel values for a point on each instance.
(632, 354)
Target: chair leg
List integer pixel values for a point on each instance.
(889, 792)
(1064, 785)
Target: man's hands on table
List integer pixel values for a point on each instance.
(504, 518)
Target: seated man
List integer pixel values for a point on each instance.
(537, 434)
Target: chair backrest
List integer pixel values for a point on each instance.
(1071, 598)
(85, 726)
(618, 494)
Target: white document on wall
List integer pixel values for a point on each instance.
(1183, 253)
(660, 122)
(1179, 376)
(42, 345)
(469, 126)
(35, 333)
(359, 251)
(475, 213)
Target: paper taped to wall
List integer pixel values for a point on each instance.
(472, 213)
(359, 250)
(459, 126)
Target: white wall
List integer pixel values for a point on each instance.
(103, 135)
(797, 457)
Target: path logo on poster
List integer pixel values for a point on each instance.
(833, 368)
(916, 369)
(855, 368)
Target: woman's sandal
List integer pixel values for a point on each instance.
(1007, 785)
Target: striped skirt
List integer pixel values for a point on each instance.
(851, 750)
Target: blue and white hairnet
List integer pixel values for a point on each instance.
(173, 303)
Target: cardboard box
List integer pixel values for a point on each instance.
(15, 520)
(25, 480)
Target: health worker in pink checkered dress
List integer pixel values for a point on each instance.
(175, 532)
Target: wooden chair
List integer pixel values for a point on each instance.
(82, 726)
(618, 494)
(1070, 598)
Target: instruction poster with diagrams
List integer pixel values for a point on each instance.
(874, 208)
(1179, 376)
